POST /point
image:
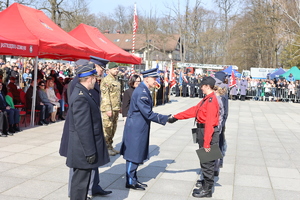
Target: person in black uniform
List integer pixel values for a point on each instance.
(206, 113)
(199, 79)
(160, 92)
(86, 148)
(177, 86)
(95, 189)
(192, 83)
(221, 82)
(184, 86)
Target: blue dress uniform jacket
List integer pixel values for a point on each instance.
(85, 131)
(135, 145)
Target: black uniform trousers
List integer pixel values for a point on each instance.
(80, 183)
(208, 167)
(184, 90)
(177, 90)
(94, 186)
(131, 168)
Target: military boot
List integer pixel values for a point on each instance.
(205, 192)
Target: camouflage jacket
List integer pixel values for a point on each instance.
(110, 94)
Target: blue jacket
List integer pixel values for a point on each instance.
(135, 144)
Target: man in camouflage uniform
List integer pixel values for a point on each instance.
(110, 105)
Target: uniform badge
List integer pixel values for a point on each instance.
(80, 93)
(210, 99)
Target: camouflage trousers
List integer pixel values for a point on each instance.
(110, 127)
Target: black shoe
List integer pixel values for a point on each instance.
(202, 193)
(41, 123)
(206, 191)
(216, 173)
(11, 129)
(45, 122)
(52, 121)
(102, 193)
(16, 128)
(135, 186)
(3, 135)
(61, 118)
(142, 184)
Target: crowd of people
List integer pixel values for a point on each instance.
(286, 90)
(95, 103)
(16, 80)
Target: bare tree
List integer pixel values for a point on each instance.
(7, 3)
(227, 7)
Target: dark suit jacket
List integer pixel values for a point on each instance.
(86, 136)
(3, 103)
(126, 101)
(29, 95)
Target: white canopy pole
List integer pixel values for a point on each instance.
(34, 92)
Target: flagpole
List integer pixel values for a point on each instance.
(135, 26)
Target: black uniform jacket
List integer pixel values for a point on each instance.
(85, 131)
(65, 136)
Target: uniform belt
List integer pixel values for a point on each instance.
(200, 125)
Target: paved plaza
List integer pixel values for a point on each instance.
(262, 159)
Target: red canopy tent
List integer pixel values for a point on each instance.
(31, 26)
(10, 47)
(94, 38)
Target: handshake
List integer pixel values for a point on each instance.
(172, 119)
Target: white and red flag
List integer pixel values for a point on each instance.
(172, 76)
(232, 80)
(135, 27)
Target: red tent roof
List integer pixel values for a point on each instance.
(94, 38)
(10, 47)
(31, 26)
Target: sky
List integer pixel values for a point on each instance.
(108, 7)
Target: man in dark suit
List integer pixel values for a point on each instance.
(135, 145)
(86, 147)
(95, 189)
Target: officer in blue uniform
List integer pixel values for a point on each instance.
(135, 144)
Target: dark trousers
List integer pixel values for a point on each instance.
(80, 184)
(208, 172)
(177, 90)
(243, 97)
(44, 111)
(192, 91)
(13, 116)
(3, 122)
(131, 168)
(208, 167)
(184, 90)
(94, 186)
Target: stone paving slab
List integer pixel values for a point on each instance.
(262, 159)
